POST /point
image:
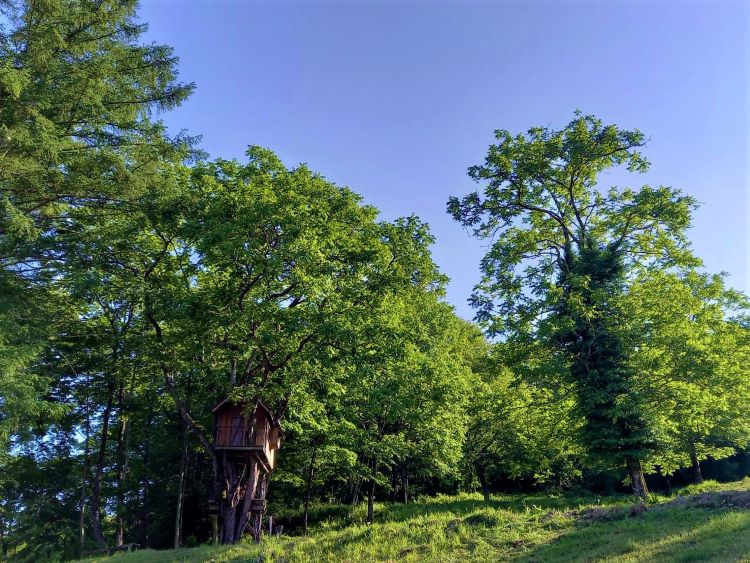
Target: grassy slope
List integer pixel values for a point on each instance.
(518, 528)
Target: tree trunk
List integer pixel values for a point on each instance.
(84, 479)
(181, 489)
(3, 541)
(122, 460)
(228, 505)
(354, 485)
(405, 482)
(394, 494)
(145, 481)
(261, 493)
(371, 493)
(308, 494)
(695, 464)
(96, 517)
(255, 484)
(233, 372)
(242, 479)
(482, 475)
(637, 479)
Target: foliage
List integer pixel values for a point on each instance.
(542, 204)
(520, 430)
(76, 92)
(77, 89)
(561, 251)
(691, 351)
(142, 282)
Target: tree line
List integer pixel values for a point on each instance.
(142, 282)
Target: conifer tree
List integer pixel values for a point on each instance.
(78, 90)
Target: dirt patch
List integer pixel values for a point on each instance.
(724, 499)
(597, 514)
(453, 525)
(482, 520)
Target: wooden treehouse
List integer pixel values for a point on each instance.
(246, 441)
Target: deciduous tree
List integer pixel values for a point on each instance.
(561, 250)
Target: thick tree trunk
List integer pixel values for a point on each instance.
(255, 483)
(308, 494)
(371, 492)
(96, 516)
(228, 522)
(637, 479)
(242, 479)
(181, 489)
(695, 464)
(227, 507)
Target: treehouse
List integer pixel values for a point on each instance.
(246, 438)
(241, 432)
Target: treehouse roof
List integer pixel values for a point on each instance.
(260, 405)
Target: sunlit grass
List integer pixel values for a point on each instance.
(530, 528)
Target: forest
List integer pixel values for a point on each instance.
(143, 281)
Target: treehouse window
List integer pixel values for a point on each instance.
(237, 431)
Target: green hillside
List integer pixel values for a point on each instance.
(706, 523)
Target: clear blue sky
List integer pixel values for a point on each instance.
(396, 100)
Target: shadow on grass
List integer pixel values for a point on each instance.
(677, 534)
(338, 517)
(461, 507)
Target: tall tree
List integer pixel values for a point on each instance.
(77, 92)
(263, 266)
(561, 246)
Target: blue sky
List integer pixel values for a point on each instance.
(396, 100)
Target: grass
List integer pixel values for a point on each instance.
(509, 528)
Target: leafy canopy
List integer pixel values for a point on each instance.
(542, 204)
